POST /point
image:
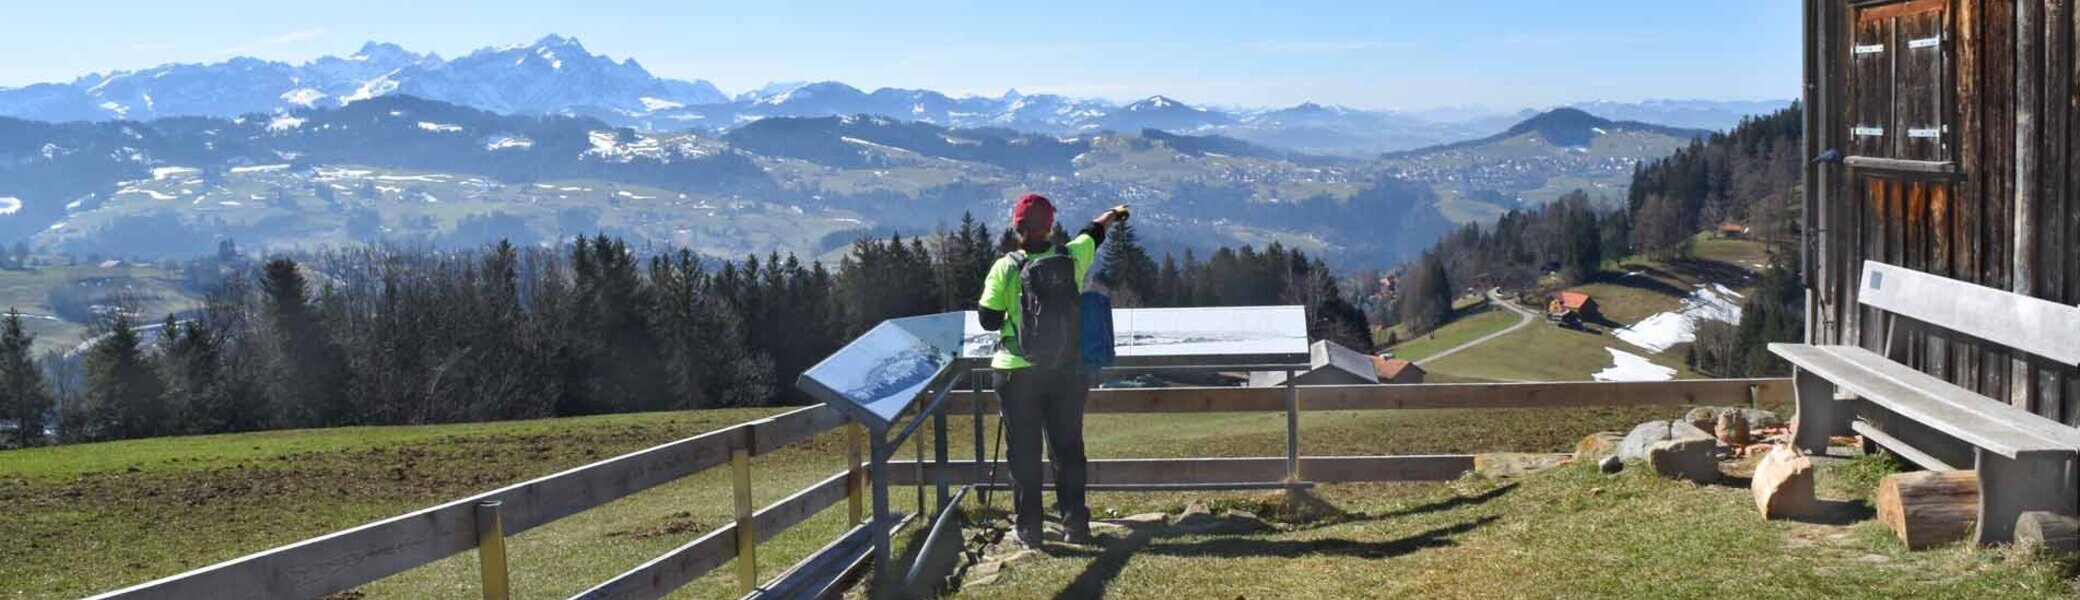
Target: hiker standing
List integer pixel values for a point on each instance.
(1031, 298)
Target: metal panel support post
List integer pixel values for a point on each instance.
(491, 551)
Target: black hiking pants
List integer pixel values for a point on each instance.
(1036, 402)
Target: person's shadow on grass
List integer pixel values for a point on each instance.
(1118, 551)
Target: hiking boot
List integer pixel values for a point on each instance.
(1077, 531)
(1025, 539)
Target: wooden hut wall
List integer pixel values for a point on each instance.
(1948, 204)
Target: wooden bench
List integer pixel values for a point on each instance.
(2025, 462)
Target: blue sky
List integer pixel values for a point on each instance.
(1371, 54)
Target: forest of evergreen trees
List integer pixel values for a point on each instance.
(373, 335)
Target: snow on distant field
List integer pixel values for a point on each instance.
(148, 192)
(1663, 330)
(1626, 366)
(10, 205)
(657, 104)
(284, 123)
(304, 97)
(120, 110)
(633, 196)
(164, 173)
(440, 127)
(373, 87)
(434, 178)
(258, 169)
(509, 142)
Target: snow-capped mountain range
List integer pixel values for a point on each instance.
(554, 74)
(557, 75)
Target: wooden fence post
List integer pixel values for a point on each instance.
(747, 529)
(491, 551)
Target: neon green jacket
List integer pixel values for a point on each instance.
(1000, 293)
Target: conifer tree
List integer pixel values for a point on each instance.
(24, 399)
(123, 396)
(1128, 271)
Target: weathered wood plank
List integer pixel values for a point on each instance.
(2032, 325)
(1952, 410)
(682, 565)
(1419, 396)
(1971, 125)
(1941, 167)
(1318, 469)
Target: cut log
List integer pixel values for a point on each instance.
(1783, 484)
(2048, 531)
(1927, 508)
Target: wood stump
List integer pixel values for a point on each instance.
(1783, 485)
(1927, 508)
(2048, 531)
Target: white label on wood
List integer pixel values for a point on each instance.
(1927, 42)
(1867, 131)
(1870, 49)
(1924, 132)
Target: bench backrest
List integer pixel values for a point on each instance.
(2032, 325)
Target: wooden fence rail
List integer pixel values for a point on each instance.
(1543, 394)
(340, 561)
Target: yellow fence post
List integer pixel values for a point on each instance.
(747, 532)
(491, 551)
(856, 476)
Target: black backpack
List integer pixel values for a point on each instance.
(1049, 318)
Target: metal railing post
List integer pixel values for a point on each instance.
(491, 551)
(917, 442)
(1292, 428)
(855, 474)
(975, 402)
(747, 530)
(939, 458)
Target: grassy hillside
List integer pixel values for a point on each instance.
(156, 293)
(93, 517)
(1467, 326)
(1626, 293)
(1563, 533)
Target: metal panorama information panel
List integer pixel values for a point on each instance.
(1213, 335)
(877, 376)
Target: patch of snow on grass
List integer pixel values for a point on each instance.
(1662, 331)
(259, 169)
(10, 205)
(1626, 366)
(440, 127)
(304, 97)
(154, 194)
(284, 123)
(657, 104)
(372, 88)
(509, 142)
(163, 173)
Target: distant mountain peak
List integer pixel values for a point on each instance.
(559, 42)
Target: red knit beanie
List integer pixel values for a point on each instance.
(1034, 209)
